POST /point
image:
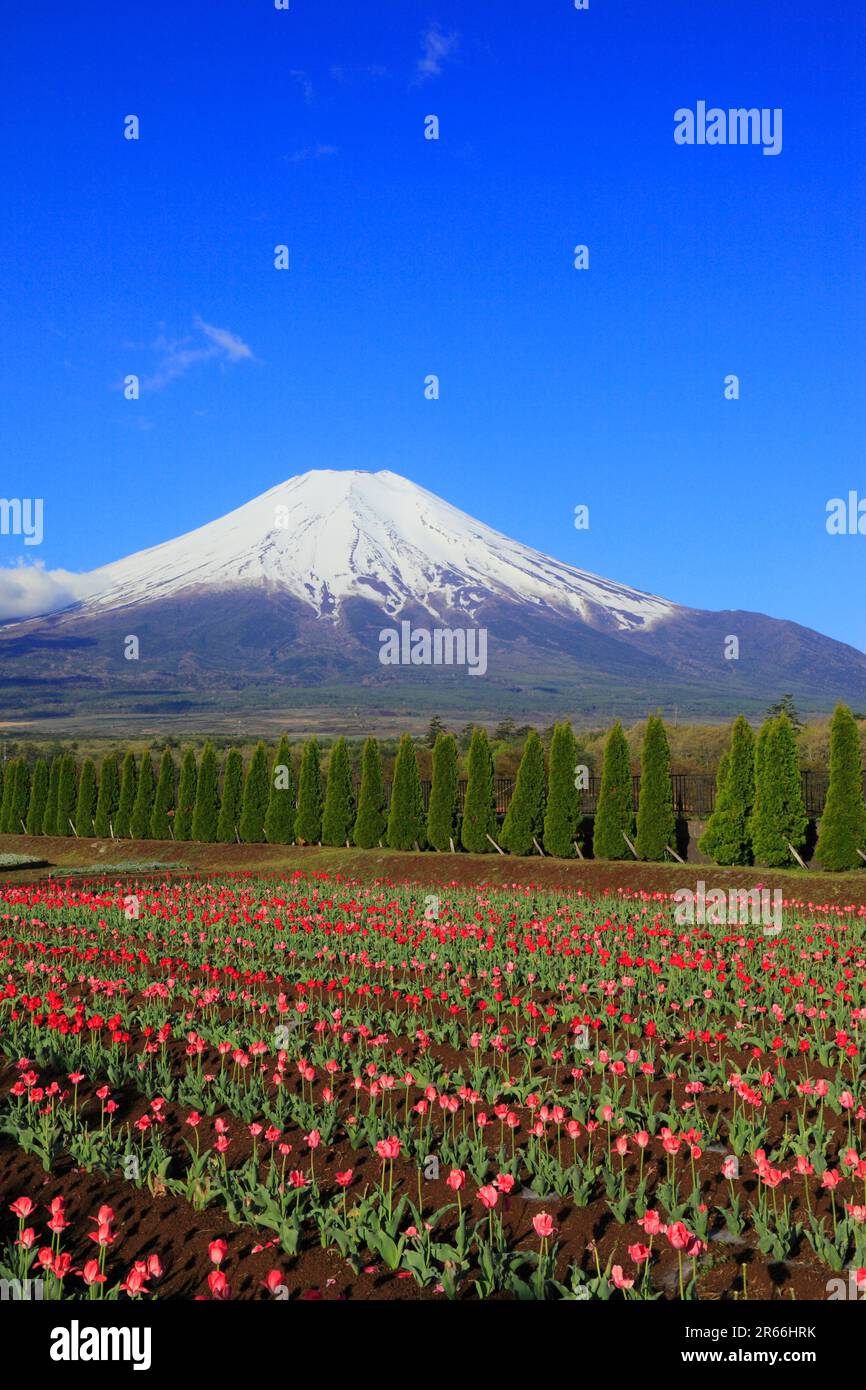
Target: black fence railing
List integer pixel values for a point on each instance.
(694, 793)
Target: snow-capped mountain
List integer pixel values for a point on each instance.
(329, 536)
(281, 605)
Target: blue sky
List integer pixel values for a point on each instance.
(454, 257)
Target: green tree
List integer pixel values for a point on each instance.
(20, 798)
(67, 794)
(443, 810)
(142, 807)
(779, 816)
(434, 729)
(38, 798)
(205, 816)
(186, 791)
(163, 801)
(524, 820)
(479, 806)
(338, 815)
(656, 822)
(563, 797)
(107, 798)
(85, 806)
(232, 797)
(406, 813)
(727, 838)
(256, 793)
(8, 796)
(308, 822)
(842, 828)
(614, 816)
(126, 799)
(282, 808)
(370, 821)
(49, 824)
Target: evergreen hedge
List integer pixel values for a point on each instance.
(443, 810)
(371, 821)
(614, 817)
(339, 812)
(656, 822)
(524, 820)
(842, 829)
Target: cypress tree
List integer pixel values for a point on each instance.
(842, 829)
(142, 807)
(86, 803)
(779, 816)
(406, 814)
(442, 813)
(107, 799)
(67, 794)
(232, 797)
(524, 819)
(370, 822)
(8, 796)
(656, 822)
(339, 811)
(205, 816)
(38, 798)
(479, 806)
(2, 775)
(126, 799)
(186, 796)
(615, 811)
(727, 838)
(163, 802)
(563, 797)
(20, 798)
(280, 818)
(308, 822)
(256, 794)
(49, 824)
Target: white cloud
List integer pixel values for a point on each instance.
(312, 152)
(178, 355)
(27, 590)
(437, 47)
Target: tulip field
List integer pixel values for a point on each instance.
(304, 1087)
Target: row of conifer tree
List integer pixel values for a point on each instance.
(759, 815)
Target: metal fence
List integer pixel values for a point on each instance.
(694, 793)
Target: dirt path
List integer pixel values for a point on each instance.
(62, 855)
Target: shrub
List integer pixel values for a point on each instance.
(524, 819)
(232, 798)
(142, 807)
(308, 822)
(842, 830)
(186, 792)
(126, 799)
(339, 812)
(563, 797)
(479, 807)
(442, 813)
(85, 806)
(406, 814)
(656, 822)
(370, 821)
(779, 817)
(107, 797)
(727, 838)
(614, 817)
(163, 801)
(38, 798)
(255, 802)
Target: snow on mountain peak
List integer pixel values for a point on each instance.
(329, 535)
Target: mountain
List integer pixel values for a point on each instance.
(291, 602)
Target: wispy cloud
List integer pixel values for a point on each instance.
(177, 355)
(436, 46)
(311, 152)
(28, 589)
(304, 83)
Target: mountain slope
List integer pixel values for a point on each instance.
(284, 602)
